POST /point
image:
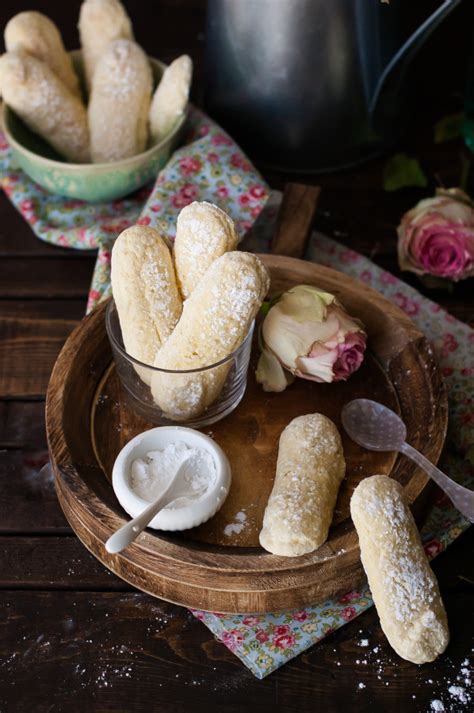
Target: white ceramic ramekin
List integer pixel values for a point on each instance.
(181, 518)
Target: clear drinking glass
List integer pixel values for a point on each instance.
(195, 397)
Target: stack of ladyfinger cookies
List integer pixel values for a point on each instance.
(187, 308)
(121, 116)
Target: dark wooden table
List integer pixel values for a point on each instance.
(73, 636)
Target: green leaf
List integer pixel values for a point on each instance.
(448, 128)
(265, 308)
(401, 171)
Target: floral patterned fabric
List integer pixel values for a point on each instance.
(265, 642)
(211, 167)
(208, 167)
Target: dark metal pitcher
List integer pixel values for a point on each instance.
(309, 85)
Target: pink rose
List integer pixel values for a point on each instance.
(144, 221)
(281, 630)
(257, 191)
(26, 206)
(406, 304)
(221, 140)
(261, 636)
(349, 597)
(186, 195)
(433, 548)
(239, 161)
(437, 236)
(250, 620)
(188, 165)
(232, 639)
(300, 615)
(284, 641)
(310, 335)
(349, 256)
(348, 613)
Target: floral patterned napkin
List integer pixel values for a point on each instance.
(211, 167)
(208, 167)
(265, 642)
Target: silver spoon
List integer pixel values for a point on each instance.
(177, 488)
(378, 428)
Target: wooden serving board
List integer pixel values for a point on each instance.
(220, 566)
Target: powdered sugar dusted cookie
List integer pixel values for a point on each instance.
(37, 35)
(119, 103)
(100, 23)
(204, 232)
(403, 586)
(215, 320)
(145, 292)
(310, 469)
(45, 104)
(170, 97)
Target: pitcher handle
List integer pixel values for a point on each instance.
(412, 45)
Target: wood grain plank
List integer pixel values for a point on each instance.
(99, 651)
(28, 501)
(32, 308)
(295, 219)
(52, 563)
(22, 425)
(28, 350)
(51, 278)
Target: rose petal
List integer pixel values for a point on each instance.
(270, 372)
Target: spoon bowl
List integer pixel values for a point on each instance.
(378, 428)
(373, 425)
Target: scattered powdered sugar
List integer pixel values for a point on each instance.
(361, 685)
(151, 475)
(460, 693)
(237, 526)
(457, 694)
(364, 642)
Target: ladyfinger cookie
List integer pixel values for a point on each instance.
(119, 102)
(204, 232)
(100, 23)
(45, 104)
(145, 292)
(170, 97)
(215, 320)
(37, 35)
(403, 586)
(310, 469)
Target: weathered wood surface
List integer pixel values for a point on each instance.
(295, 219)
(178, 666)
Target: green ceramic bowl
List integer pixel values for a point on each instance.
(93, 182)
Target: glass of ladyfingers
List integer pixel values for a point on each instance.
(190, 397)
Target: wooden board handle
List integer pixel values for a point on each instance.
(295, 219)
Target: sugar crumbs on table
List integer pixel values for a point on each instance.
(460, 693)
(364, 642)
(437, 706)
(236, 527)
(361, 685)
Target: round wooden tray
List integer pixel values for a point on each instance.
(88, 422)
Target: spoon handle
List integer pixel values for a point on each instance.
(130, 531)
(462, 498)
